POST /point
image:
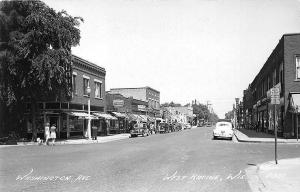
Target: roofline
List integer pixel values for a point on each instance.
(281, 39)
(102, 69)
(146, 87)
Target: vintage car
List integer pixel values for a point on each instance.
(224, 129)
(139, 129)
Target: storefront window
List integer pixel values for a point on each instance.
(76, 124)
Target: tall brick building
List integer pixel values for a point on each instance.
(70, 116)
(282, 70)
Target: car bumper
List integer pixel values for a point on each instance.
(223, 135)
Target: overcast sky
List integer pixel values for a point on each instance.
(209, 50)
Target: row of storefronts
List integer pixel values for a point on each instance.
(281, 72)
(109, 113)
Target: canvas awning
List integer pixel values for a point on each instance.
(144, 118)
(82, 115)
(151, 119)
(133, 117)
(160, 119)
(295, 103)
(105, 116)
(121, 115)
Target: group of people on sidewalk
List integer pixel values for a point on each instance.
(50, 134)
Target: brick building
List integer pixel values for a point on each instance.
(147, 94)
(126, 109)
(282, 70)
(70, 116)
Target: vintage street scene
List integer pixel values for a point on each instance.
(150, 95)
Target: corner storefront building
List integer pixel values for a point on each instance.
(71, 116)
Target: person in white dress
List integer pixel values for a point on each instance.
(47, 133)
(53, 133)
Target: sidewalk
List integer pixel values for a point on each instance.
(269, 177)
(79, 141)
(244, 135)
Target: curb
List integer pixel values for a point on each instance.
(253, 141)
(82, 142)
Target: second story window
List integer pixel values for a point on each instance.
(74, 91)
(298, 67)
(86, 84)
(98, 89)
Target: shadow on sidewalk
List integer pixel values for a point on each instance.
(254, 134)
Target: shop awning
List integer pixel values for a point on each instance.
(133, 117)
(295, 102)
(160, 119)
(105, 116)
(121, 115)
(144, 118)
(82, 115)
(151, 119)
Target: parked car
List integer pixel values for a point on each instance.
(163, 127)
(223, 129)
(208, 124)
(139, 129)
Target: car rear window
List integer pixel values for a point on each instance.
(224, 124)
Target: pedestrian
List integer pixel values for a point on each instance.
(94, 133)
(53, 133)
(47, 133)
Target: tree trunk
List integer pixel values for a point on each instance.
(33, 113)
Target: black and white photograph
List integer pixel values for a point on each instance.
(149, 95)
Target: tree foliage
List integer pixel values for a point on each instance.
(229, 114)
(202, 112)
(35, 52)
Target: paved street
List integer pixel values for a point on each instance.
(182, 161)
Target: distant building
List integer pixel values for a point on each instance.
(281, 70)
(147, 94)
(180, 114)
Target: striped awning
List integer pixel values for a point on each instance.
(121, 115)
(295, 102)
(143, 118)
(82, 115)
(105, 116)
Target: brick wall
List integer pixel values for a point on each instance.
(78, 96)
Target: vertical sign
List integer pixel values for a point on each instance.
(275, 100)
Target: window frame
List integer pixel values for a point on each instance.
(74, 85)
(297, 67)
(96, 81)
(88, 85)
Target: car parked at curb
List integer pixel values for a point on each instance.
(223, 129)
(139, 129)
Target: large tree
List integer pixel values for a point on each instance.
(35, 56)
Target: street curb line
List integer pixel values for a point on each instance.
(72, 143)
(251, 141)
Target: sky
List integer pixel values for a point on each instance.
(208, 50)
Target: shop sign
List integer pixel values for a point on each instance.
(118, 103)
(141, 107)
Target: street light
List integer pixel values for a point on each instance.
(88, 91)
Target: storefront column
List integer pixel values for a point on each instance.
(293, 129)
(297, 131)
(68, 126)
(59, 126)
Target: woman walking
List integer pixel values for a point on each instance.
(53, 133)
(47, 133)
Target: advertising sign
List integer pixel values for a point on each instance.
(118, 103)
(141, 107)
